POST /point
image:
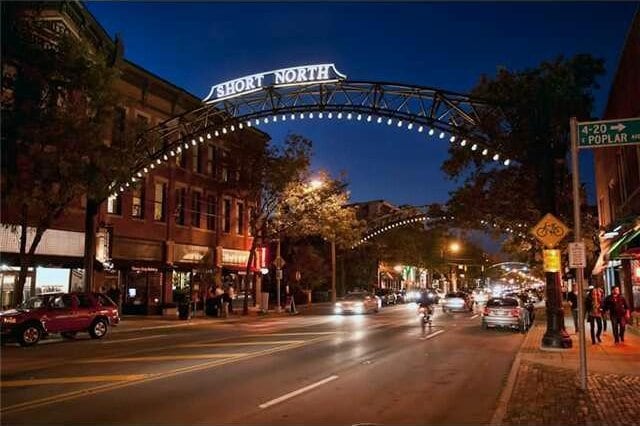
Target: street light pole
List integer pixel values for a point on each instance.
(278, 278)
(333, 270)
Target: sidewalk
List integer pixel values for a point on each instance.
(543, 387)
(132, 323)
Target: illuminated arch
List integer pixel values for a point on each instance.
(437, 113)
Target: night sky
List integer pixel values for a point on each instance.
(445, 45)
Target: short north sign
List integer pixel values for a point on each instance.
(286, 76)
(593, 134)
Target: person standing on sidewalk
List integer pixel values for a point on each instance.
(593, 306)
(573, 301)
(619, 313)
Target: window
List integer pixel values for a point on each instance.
(180, 207)
(211, 212)
(195, 160)
(210, 164)
(114, 204)
(142, 123)
(226, 227)
(250, 211)
(225, 167)
(240, 220)
(158, 204)
(119, 124)
(83, 300)
(195, 209)
(137, 202)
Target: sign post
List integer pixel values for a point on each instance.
(575, 172)
(278, 263)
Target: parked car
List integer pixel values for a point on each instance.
(506, 312)
(358, 303)
(64, 313)
(387, 296)
(457, 302)
(401, 296)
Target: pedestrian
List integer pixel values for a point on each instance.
(593, 307)
(230, 294)
(218, 293)
(573, 301)
(618, 309)
(114, 294)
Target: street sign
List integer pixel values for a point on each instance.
(551, 260)
(577, 255)
(550, 230)
(278, 274)
(594, 134)
(278, 262)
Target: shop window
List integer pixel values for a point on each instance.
(240, 218)
(180, 205)
(211, 212)
(227, 216)
(159, 203)
(114, 204)
(225, 167)
(195, 209)
(250, 212)
(137, 202)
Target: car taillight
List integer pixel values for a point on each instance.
(515, 312)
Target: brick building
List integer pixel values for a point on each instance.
(182, 228)
(618, 181)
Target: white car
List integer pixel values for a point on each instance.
(358, 303)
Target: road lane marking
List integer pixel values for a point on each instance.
(28, 405)
(297, 392)
(158, 358)
(109, 342)
(303, 333)
(432, 335)
(67, 380)
(220, 345)
(475, 316)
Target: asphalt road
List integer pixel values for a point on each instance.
(309, 369)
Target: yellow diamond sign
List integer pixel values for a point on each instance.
(550, 230)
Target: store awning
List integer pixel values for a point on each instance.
(618, 239)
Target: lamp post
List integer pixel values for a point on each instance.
(453, 247)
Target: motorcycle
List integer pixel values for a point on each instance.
(425, 313)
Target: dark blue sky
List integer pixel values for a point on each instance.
(446, 45)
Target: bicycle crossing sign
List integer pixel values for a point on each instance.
(550, 230)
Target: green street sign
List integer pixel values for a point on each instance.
(595, 134)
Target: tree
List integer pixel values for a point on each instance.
(530, 127)
(55, 124)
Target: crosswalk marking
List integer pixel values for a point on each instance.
(67, 380)
(159, 358)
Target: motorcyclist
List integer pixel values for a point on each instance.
(427, 300)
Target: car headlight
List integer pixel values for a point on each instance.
(338, 304)
(9, 320)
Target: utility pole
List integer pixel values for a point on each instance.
(333, 271)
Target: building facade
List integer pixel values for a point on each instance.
(184, 226)
(618, 181)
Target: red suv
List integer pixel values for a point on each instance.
(64, 313)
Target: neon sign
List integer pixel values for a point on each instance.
(305, 74)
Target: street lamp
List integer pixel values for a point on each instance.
(453, 247)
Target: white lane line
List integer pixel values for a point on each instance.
(297, 392)
(432, 335)
(109, 342)
(475, 316)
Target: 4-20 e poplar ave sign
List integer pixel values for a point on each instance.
(596, 134)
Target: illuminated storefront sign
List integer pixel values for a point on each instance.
(235, 257)
(283, 77)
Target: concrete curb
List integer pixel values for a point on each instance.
(505, 395)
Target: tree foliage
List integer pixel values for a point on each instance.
(530, 127)
(57, 110)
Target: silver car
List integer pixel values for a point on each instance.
(505, 312)
(358, 303)
(457, 302)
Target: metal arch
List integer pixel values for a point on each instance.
(409, 215)
(441, 110)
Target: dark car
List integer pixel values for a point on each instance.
(387, 296)
(64, 313)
